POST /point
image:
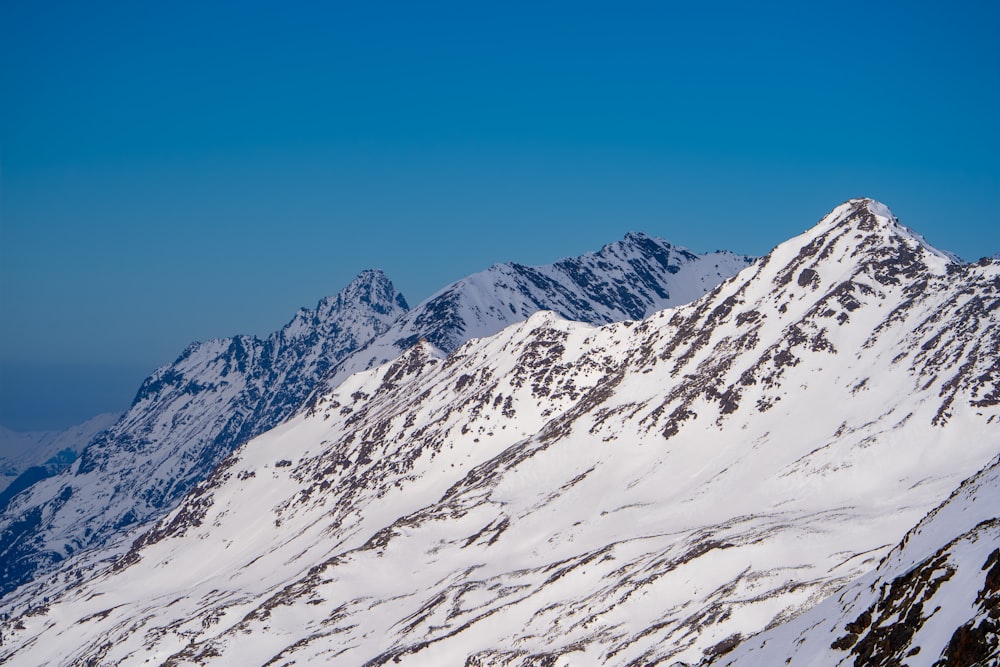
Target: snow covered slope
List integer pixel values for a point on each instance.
(21, 451)
(934, 600)
(625, 280)
(188, 416)
(561, 494)
(185, 418)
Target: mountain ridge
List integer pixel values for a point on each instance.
(22, 450)
(627, 279)
(556, 493)
(187, 416)
(183, 420)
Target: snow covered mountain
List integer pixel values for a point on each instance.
(625, 280)
(934, 600)
(27, 458)
(639, 493)
(20, 451)
(188, 416)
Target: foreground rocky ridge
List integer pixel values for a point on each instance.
(934, 600)
(637, 493)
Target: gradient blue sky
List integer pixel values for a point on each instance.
(187, 170)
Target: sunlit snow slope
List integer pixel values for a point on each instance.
(561, 494)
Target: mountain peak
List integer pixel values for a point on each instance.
(861, 214)
(637, 236)
(186, 418)
(369, 275)
(875, 221)
(861, 236)
(371, 288)
(626, 279)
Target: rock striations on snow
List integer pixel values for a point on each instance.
(188, 416)
(564, 494)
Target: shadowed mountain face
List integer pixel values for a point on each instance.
(558, 493)
(42, 453)
(190, 415)
(185, 418)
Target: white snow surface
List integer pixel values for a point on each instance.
(635, 493)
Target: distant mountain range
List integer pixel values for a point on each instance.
(685, 488)
(33, 454)
(629, 279)
(187, 417)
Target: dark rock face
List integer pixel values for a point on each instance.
(22, 482)
(978, 641)
(882, 634)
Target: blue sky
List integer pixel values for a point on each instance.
(181, 171)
